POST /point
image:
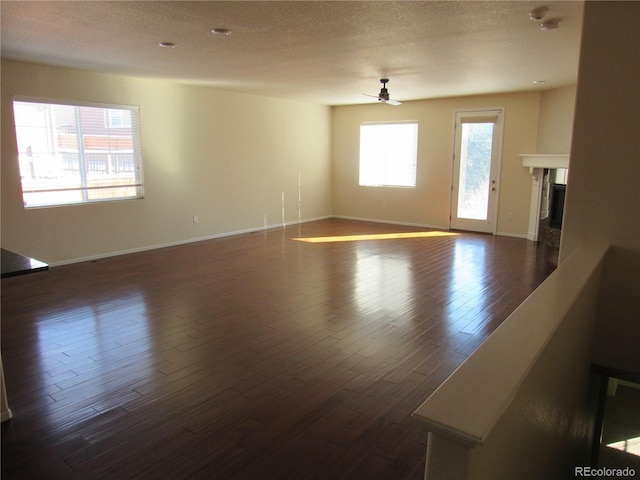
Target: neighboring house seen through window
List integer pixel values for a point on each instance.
(388, 154)
(77, 153)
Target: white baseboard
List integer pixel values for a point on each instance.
(514, 235)
(181, 242)
(391, 222)
(251, 230)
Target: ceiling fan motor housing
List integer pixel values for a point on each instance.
(383, 96)
(384, 93)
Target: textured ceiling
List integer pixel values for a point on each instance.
(328, 52)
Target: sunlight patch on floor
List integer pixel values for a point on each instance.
(375, 236)
(630, 445)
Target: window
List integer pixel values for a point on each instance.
(388, 154)
(117, 118)
(73, 154)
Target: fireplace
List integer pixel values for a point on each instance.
(554, 185)
(549, 181)
(556, 207)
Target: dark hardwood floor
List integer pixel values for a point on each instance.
(257, 356)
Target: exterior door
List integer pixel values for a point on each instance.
(476, 166)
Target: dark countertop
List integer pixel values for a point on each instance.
(14, 264)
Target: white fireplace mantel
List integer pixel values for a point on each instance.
(536, 163)
(540, 160)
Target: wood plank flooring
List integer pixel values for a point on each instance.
(258, 356)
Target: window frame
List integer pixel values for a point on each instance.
(410, 170)
(131, 182)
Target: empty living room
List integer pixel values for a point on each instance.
(319, 240)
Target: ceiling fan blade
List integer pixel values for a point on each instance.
(383, 100)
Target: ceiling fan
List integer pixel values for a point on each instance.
(383, 96)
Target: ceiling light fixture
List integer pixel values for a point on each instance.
(539, 82)
(167, 45)
(538, 14)
(550, 24)
(222, 32)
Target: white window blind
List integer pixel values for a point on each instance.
(77, 153)
(388, 154)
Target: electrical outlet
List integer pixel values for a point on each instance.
(196, 219)
(510, 216)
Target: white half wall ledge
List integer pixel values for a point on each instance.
(5, 411)
(468, 404)
(6, 415)
(545, 160)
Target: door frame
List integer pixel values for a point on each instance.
(499, 112)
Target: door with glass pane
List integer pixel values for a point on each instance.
(476, 165)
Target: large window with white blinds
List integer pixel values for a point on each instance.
(388, 154)
(72, 153)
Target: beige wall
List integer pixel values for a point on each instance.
(555, 122)
(603, 194)
(224, 157)
(227, 158)
(428, 203)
